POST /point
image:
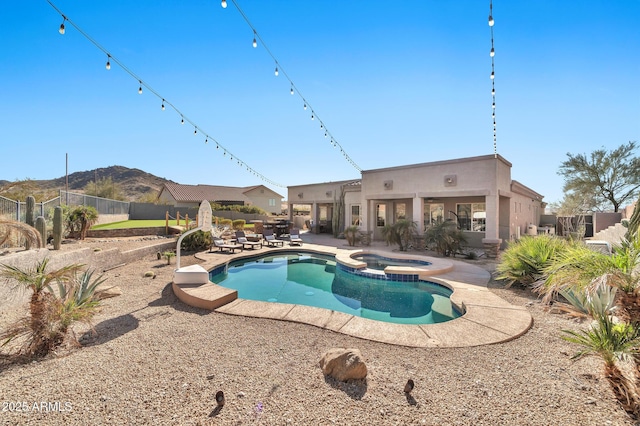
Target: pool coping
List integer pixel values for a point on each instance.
(488, 319)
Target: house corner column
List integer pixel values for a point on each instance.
(491, 240)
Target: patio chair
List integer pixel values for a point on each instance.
(271, 240)
(223, 246)
(294, 237)
(241, 238)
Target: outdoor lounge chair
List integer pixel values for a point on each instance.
(271, 240)
(242, 239)
(294, 237)
(223, 246)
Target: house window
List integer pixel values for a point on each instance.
(381, 214)
(355, 215)
(401, 211)
(433, 214)
(272, 202)
(472, 216)
(323, 213)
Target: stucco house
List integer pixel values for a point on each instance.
(192, 195)
(477, 192)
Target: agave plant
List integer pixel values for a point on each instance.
(591, 303)
(580, 268)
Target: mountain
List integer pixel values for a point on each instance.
(134, 183)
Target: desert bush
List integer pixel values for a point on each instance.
(524, 261)
(238, 224)
(445, 238)
(197, 241)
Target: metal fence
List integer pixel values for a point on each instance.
(17, 210)
(103, 205)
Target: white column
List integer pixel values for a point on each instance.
(418, 214)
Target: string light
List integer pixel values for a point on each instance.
(162, 105)
(256, 37)
(223, 3)
(61, 29)
(195, 131)
(108, 66)
(492, 54)
(182, 120)
(140, 88)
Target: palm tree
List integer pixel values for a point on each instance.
(81, 219)
(401, 233)
(39, 281)
(611, 342)
(9, 228)
(445, 237)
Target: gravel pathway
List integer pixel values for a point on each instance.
(157, 361)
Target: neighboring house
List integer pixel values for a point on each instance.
(192, 195)
(476, 192)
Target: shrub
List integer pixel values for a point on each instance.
(226, 222)
(197, 241)
(445, 238)
(524, 262)
(238, 224)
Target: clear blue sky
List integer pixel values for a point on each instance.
(394, 82)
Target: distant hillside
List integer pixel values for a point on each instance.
(135, 183)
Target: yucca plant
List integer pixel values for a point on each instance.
(611, 342)
(525, 261)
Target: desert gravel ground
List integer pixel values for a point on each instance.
(157, 361)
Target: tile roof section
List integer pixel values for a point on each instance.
(211, 193)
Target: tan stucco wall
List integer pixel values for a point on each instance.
(260, 198)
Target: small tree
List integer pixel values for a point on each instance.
(445, 238)
(605, 177)
(80, 219)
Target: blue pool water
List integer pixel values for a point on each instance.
(316, 280)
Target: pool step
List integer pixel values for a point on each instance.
(205, 296)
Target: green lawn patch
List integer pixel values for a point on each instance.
(126, 224)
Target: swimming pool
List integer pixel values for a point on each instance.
(317, 280)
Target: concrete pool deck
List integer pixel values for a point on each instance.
(488, 319)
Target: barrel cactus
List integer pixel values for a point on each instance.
(57, 228)
(41, 226)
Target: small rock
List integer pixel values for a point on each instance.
(240, 394)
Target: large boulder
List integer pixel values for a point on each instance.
(343, 364)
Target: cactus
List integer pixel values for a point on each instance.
(31, 205)
(41, 226)
(57, 228)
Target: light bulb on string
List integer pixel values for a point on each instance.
(61, 29)
(162, 105)
(217, 146)
(255, 42)
(182, 120)
(223, 3)
(206, 140)
(491, 22)
(493, 75)
(140, 88)
(312, 117)
(321, 126)
(276, 71)
(195, 131)
(305, 107)
(292, 90)
(492, 53)
(108, 65)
